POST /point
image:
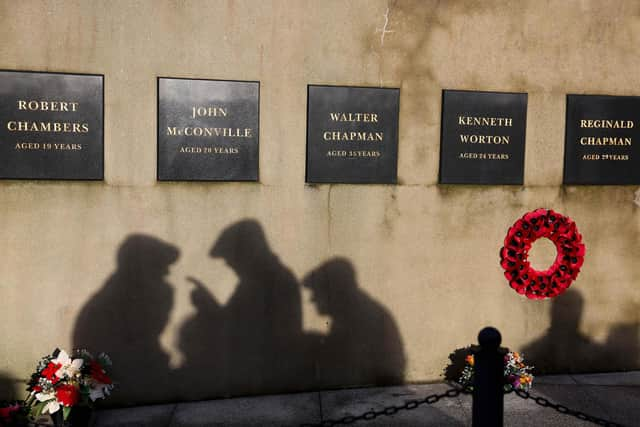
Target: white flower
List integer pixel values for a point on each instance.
(99, 391)
(52, 403)
(69, 367)
(96, 393)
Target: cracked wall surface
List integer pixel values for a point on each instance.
(427, 252)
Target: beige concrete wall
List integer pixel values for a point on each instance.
(426, 252)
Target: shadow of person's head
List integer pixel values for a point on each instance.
(363, 346)
(566, 312)
(143, 264)
(243, 246)
(146, 257)
(332, 284)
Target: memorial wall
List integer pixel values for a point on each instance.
(251, 197)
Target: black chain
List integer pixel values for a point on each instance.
(390, 410)
(545, 403)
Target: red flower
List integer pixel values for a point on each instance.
(98, 373)
(50, 372)
(5, 412)
(67, 395)
(562, 231)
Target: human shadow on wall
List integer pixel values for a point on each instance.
(254, 343)
(7, 387)
(564, 349)
(363, 346)
(127, 315)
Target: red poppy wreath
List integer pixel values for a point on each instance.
(562, 231)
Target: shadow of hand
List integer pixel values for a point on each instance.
(200, 295)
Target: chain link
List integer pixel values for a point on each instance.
(390, 410)
(545, 403)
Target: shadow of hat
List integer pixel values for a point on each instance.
(141, 249)
(240, 240)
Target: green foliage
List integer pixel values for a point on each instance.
(36, 408)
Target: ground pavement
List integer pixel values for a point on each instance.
(612, 396)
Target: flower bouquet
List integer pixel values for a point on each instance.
(517, 375)
(62, 382)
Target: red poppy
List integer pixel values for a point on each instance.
(98, 373)
(562, 231)
(67, 395)
(50, 372)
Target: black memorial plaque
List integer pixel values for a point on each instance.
(352, 134)
(601, 137)
(51, 126)
(483, 137)
(208, 130)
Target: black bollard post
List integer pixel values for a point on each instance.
(488, 395)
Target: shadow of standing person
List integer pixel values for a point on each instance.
(363, 346)
(623, 346)
(255, 342)
(564, 349)
(127, 315)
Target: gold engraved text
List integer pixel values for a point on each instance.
(47, 105)
(354, 117)
(211, 111)
(209, 132)
(607, 124)
(485, 121)
(484, 139)
(352, 136)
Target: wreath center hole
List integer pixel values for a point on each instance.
(542, 254)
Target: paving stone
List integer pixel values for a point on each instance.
(139, 416)
(612, 378)
(275, 410)
(554, 379)
(526, 412)
(621, 404)
(446, 412)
